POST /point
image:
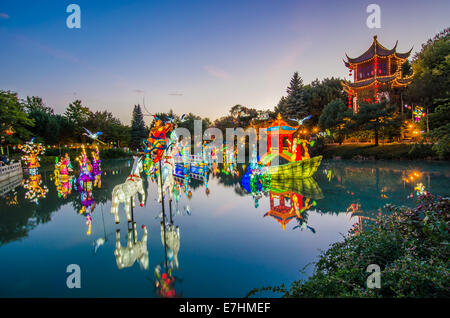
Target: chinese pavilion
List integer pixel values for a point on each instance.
(376, 70)
(284, 134)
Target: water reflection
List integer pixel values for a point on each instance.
(341, 194)
(33, 184)
(135, 250)
(165, 278)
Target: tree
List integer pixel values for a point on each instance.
(188, 123)
(243, 115)
(431, 71)
(295, 103)
(440, 127)
(111, 127)
(77, 116)
(281, 107)
(223, 123)
(46, 125)
(374, 117)
(334, 117)
(138, 130)
(318, 94)
(13, 116)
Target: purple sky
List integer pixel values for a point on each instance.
(193, 56)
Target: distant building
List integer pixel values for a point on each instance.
(375, 72)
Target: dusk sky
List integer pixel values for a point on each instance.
(193, 56)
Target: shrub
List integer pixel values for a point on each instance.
(421, 151)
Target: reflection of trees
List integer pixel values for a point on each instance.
(18, 216)
(230, 180)
(372, 183)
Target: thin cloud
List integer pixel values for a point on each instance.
(4, 15)
(175, 94)
(216, 72)
(139, 91)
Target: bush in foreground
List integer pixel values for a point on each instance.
(411, 246)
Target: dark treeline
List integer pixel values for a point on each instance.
(32, 118)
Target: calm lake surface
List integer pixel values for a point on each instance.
(229, 244)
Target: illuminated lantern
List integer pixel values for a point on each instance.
(9, 131)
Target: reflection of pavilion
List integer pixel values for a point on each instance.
(281, 212)
(288, 200)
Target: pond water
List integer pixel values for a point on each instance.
(229, 243)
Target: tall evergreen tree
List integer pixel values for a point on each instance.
(138, 131)
(295, 100)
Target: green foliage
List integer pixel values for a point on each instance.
(138, 130)
(407, 68)
(439, 122)
(410, 245)
(111, 127)
(281, 106)
(188, 123)
(77, 116)
(13, 115)
(243, 115)
(431, 71)
(421, 151)
(333, 117)
(375, 117)
(318, 94)
(223, 123)
(46, 126)
(293, 106)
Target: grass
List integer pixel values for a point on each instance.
(388, 151)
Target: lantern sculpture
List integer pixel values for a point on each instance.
(33, 185)
(126, 192)
(31, 152)
(84, 186)
(418, 113)
(85, 179)
(96, 168)
(62, 176)
(156, 142)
